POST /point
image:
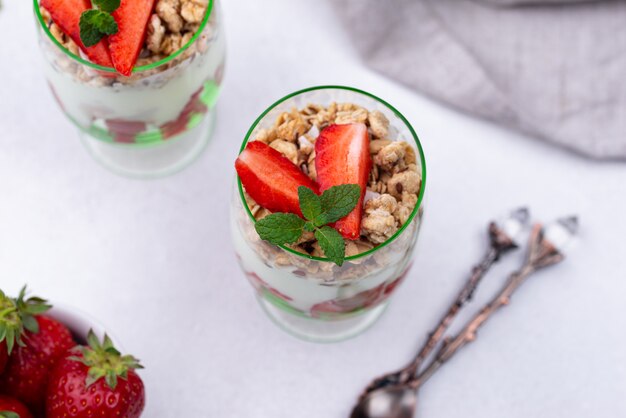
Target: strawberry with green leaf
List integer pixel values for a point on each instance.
(34, 343)
(10, 328)
(95, 381)
(319, 211)
(97, 23)
(67, 14)
(12, 408)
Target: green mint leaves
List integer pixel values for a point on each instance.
(108, 6)
(334, 204)
(280, 228)
(339, 201)
(8, 414)
(95, 24)
(332, 243)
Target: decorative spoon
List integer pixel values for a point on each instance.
(400, 400)
(503, 236)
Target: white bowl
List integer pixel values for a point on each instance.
(79, 323)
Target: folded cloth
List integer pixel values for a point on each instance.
(553, 68)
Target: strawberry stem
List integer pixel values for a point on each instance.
(104, 361)
(18, 315)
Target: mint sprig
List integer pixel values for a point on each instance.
(319, 211)
(108, 6)
(97, 23)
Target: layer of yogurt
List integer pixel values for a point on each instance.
(154, 100)
(304, 293)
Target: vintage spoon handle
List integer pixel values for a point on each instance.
(541, 254)
(500, 243)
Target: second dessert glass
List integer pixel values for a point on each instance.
(153, 123)
(311, 297)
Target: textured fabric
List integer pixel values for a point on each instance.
(556, 70)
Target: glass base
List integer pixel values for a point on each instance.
(152, 160)
(322, 331)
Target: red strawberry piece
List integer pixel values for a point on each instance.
(365, 299)
(393, 285)
(271, 179)
(219, 75)
(95, 381)
(260, 284)
(178, 126)
(4, 356)
(35, 342)
(66, 14)
(8, 404)
(125, 131)
(132, 20)
(342, 156)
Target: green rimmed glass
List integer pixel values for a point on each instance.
(152, 123)
(308, 296)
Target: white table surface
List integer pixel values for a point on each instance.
(153, 259)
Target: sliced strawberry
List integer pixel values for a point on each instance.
(66, 14)
(363, 300)
(271, 179)
(132, 20)
(194, 106)
(125, 131)
(342, 156)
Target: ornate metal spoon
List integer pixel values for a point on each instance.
(400, 400)
(503, 237)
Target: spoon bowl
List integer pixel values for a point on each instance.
(391, 402)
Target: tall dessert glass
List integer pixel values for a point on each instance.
(308, 296)
(152, 123)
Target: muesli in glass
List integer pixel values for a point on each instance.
(300, 289)
(144, 115)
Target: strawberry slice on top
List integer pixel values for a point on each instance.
(271, 179)
(342, 156)
(132, 19)
(66, 14)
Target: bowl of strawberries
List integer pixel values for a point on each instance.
(57, 362)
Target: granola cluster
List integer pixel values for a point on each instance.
(394, 182)
(172, 25)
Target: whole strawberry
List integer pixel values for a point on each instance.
(95, 381)
(35, 343)
(12, 408)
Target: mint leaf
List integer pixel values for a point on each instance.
(338, 202)
(310, 203)
(8, 414)
(94, 25)
(332, 244)
(280, 228)
(107, 5)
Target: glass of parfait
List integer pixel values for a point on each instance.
(319, 138)
(142, 99)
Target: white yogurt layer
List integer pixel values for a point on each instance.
(308, 291)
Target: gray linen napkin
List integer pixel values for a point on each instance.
(553, 68)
